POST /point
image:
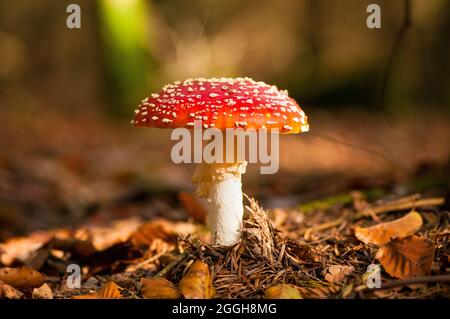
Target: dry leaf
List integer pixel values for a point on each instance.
(407, 257)
(21, 248)
(43, 292)
(109, 291)
(337, 273)
(383, 233)
(23, 277)
(155, 229)
(194, 208)
(197, 283)
(118, 232)
(318, 292)
(283, 291)
(9, 292)
(158, 288)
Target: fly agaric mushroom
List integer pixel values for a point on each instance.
(222, 103)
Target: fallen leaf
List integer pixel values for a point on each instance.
(43, 292)
(337, 273)
(194, 208)
(197, 283)
(76, 246)
(109, 291)
(383, 233)
(9, 292)
(118, 232)
(282, 291)
(22, 277)
(21, 248)
(318, 292)
(158, 288)
(407, 257)
(149, 231)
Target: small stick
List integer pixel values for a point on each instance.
(408, 198)
(324, 226)
(149, 260)
(171, 265)
(381, 209)
(401, 206)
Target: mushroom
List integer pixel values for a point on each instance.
(222, 103)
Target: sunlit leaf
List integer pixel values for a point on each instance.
(158, 288)
(382, 233)
(155, 229)
(9, 292)
(21, 248)
(337, 273)
(109, 291)
(283, 291)
(197, 283)
(407, 257)
(43, 292)
(23, 277)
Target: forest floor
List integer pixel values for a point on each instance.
(77, 193)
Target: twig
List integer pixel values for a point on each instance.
(406, 282)
(172, 264)
(149, 260)
(388, 207)
(324, 226)
(396, 205)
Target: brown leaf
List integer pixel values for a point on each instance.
(158, 288)
(407, 257)
(149, 231)
(23, 277)
(318, 292)
(118, 232)
(197, 283)
(194, 208)
(76, 246)
(9, 292)
(109, 291)
(337, 273)
(283, 291)
(383, 233)
(22, 248)
(43, 292)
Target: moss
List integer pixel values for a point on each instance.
(340, 199)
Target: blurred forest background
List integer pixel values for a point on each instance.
(378, 100)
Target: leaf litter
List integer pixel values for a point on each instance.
(324, 253)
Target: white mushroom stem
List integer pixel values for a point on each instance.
(221, 185)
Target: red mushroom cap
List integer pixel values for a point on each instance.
(222, 103)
